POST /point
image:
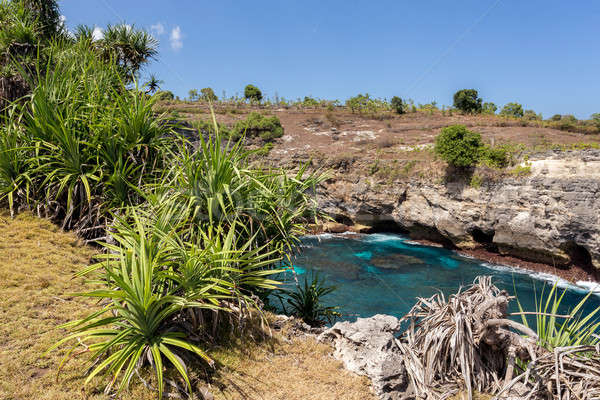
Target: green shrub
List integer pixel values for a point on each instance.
(467, 101)
(193, 94)
(307, 302)
(498, 156)
(207, 128)
(512, 110)
(596, 120)
(310, 102)
(489, 108)
(365, 104)
(207, 94)
(87, 142)
(398, 105)
(164, 95)
(555, 330)
(556, 117)
(531, 115)
(267, 128)
(458, 146)
(252, 93)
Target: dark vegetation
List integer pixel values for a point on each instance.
(468, 101)
(252, 93)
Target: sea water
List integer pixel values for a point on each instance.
(385, 273)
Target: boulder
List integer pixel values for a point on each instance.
(367, 347)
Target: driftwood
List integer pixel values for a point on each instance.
(467, 343)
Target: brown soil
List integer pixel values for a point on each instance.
(317, 132)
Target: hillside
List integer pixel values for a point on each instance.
(539, 211)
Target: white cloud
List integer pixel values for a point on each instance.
(176, 38)
(97, 34)
(158, 29)
(62, 19)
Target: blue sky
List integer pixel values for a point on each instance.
(542, 54)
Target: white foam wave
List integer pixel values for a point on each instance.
(383, 237)
(590, 286)
(319, 236)
(579, 286)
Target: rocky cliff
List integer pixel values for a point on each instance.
(550, 215)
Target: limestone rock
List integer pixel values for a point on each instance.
(551, 216)
(367, 347)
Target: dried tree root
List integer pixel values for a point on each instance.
(466, 343)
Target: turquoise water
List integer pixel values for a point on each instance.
(384, 273)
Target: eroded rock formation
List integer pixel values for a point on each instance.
(551, 215)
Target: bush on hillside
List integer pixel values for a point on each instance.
(258, 125)
(489, 108)
(556, 117)
(498, 156)
(310, 102)
(207, 94)
(468, 101)
(458, 146)
(164, 95)
(512, 110)
(252, 93)
(398, 105)
(596, 120)
(531, 115)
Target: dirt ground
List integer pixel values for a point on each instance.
(334, 133)
(37, 263)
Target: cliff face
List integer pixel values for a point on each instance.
(552, 215)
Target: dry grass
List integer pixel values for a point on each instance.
(37, 262)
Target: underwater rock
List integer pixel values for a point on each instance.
(367, 347)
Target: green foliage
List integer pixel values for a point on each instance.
(87, 143)
(189, 260)
(252, 93)
(512, 110)
(467, 101)
(521, 170)
(398, 105)
(497, 157)
(207, 94)
(265, 150)
(476, 181)
(123, 45)
(530, 115)
(307, 302)
(193, 94)
(364, 104)
(596, 120)
(489, 108)
(164, 95)
(556, 117)
(310, 102)
(572, 329)
(258, 125)
(458, 146)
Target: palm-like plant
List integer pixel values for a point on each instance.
(555, 330)
(307, 302)
(153, 84)
(88, 143)
(128, 47)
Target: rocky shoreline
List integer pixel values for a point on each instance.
(545, 221)
(572, 274)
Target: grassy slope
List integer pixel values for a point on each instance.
(37, 262)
